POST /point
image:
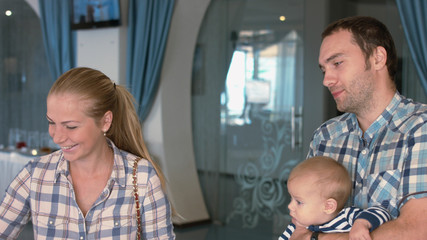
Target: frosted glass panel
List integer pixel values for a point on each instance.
(24, 76)
(247, 111)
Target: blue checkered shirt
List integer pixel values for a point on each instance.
(388, 163)
(43, 192)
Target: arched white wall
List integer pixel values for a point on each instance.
(168, 129)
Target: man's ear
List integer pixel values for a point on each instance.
(380, 57)
(330, 206)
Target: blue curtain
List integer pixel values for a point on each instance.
(58, 39)
(149, 22)
(413, 15)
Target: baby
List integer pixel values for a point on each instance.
(319, 188)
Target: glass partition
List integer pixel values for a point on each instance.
(247, 111)
(24, 76)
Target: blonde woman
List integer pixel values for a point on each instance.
(85, 190)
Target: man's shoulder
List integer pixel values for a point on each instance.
(409, 115)
(338, 125)
(407, 105)
(342, 119)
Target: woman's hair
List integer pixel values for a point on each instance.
(104, 95)
(368, 33)
(333, 179)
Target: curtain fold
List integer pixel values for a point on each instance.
(58, 39)
(413, 15)
(148, 27)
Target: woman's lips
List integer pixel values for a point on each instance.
(68, 148)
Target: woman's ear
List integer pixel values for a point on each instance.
(330, 206)
(106, 121)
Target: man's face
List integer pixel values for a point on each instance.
(346, 76)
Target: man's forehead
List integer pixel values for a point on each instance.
(335, 45)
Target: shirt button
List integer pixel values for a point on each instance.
(116, 223)
(81, 237)
(51, 222)
(364, 151)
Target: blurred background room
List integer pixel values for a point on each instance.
(237, 92)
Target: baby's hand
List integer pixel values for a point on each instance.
(360, 230)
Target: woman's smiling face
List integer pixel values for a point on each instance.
(77, 134)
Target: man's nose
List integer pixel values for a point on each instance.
(329, 79)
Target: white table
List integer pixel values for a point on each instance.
(10, 164)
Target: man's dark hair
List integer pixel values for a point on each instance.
(368, 33)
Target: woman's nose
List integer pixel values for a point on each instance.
(57, 135)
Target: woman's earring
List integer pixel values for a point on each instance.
(105, 134)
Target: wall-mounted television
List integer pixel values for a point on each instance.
(88, 14)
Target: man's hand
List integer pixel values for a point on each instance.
(360, 230)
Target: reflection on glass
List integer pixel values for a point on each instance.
(265, 76)
(262, 93)
(24, 73)
(247, 114)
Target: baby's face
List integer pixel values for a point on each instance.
(307, 205)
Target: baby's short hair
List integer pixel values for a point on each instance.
(332, 178)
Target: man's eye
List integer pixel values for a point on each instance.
(71, 128)
(337, 63)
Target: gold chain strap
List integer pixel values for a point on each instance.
(136, 195)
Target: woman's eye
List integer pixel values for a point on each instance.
(71, 127)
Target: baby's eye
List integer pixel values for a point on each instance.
(299, 202)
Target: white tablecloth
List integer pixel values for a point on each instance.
(10, 164)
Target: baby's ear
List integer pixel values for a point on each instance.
(330, 206)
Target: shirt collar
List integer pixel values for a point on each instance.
(382, 120)
(119, 172)
(62, 166)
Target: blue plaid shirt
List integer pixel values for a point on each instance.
(388, 162)
(43, 192)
